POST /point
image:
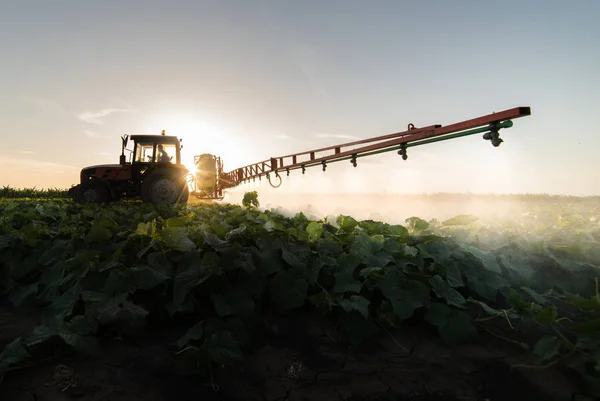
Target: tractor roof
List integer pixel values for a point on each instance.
(155, 138)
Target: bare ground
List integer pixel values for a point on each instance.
(296, 359)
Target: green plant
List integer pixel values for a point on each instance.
(250, 200)
(92, 267)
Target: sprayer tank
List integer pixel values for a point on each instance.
(206, 171)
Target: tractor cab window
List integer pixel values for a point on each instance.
(144, 152)
(165, 153)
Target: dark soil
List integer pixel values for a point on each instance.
(295, 359)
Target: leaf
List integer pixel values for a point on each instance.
(417, 224)
(540, 299)
(221, 305)
(55, 253)
(398, 231)
(345, 282)
(483, 282)
(233, 300)
(346, 223)
(590, 327)
(19, 295)
(314, 230)
(6, 242)
(61, 307)
(185, 282)
(83, 344)
(145, 229)
(76, 333)
(371, 272)
(176, 238)
(357, 303)
(460, 220)
(405, 295)
(589, 303)
(238, 329)
(195, 333)
(454, 277)
(292, 259)
(41, 334)
(176, 222)
(215, 242)
(488, 309)
(440, 250)
(437, 314)
(21, 268)
(123, 314)
(366, 246)
(99, 232)
(349, 261)
(50, 281)
(547, 316)
(82, 324)
(245, 261)
(454, 326)
(224, 349)
(443, 290)
(487, 259)
(13, 354)
(516, 260)
(287, 292)
(322, 300)
(158, 271)
(268, 261)
(240, 299)
(546, 348)
(237, 233)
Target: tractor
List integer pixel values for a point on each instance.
(153, 173)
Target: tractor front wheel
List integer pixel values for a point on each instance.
(94, 193)
(164, 187)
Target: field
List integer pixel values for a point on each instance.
(229, 302)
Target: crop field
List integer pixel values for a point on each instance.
(128, 301)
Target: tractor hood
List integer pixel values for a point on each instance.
(103, 166)
(104, 171)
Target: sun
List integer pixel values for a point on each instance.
(200, 135)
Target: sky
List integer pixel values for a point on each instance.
(248, 80)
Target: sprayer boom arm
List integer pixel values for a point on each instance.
(488, 124)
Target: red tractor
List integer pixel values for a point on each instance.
(154, 173)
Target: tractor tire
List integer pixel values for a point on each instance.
(165, 187)
(94, 192)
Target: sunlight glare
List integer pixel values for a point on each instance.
(200, 136)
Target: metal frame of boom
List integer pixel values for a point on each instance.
(489, 125)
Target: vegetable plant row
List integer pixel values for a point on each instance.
(32, 193)
(94, 269)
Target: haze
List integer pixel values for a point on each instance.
(248, 80)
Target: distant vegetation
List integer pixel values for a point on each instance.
(251, 198)
(32, 193)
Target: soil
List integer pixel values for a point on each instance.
(295, 359)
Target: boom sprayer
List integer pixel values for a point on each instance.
(155, 174)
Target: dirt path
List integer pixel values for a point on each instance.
(297, 359)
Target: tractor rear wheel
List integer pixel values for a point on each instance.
(165, 187)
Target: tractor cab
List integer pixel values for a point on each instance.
(150, 149)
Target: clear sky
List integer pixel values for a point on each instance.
(248, 80)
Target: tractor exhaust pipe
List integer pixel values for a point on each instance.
(124, 140)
